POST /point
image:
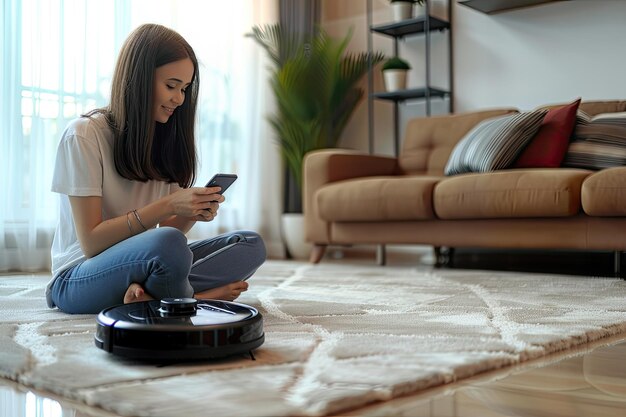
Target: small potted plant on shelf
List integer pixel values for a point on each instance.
(403, 9)
(394, 74)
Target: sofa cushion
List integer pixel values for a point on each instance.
(495, 143)
(377, 199)
(598, 142)
(604, 193)
(547, 149)
(516, 193)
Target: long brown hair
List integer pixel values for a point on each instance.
(145, 150)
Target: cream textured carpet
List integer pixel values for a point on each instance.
(338, 336)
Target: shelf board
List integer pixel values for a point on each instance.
(413, 93)
(497, 6)
(410, 26)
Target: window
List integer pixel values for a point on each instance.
(58, 58)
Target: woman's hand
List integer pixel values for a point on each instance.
(197, 203)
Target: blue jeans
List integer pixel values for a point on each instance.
(162, 262)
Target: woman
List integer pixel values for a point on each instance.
(124, 175)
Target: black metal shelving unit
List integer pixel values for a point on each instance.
(423, 25)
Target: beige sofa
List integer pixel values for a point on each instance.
(355, 198)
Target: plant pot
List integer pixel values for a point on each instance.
(293, 235)
(419, 10)
(395, 79)
(402, 10)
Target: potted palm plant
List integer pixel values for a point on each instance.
(394, 73)
(316, 85)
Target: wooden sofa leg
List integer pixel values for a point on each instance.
(317, 253)
(381, 255)
(438, 256)
(617, 263)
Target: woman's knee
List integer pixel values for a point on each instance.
(168, 246)
(170, 262)
(254, 243)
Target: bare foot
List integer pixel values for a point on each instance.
(228, 292)
(136, 293)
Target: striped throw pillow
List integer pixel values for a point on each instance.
(598, 142)
(494, 143)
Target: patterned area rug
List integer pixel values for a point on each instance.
(338, 336)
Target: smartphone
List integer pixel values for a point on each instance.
(222, 180)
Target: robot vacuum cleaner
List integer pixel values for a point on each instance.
(174, 329)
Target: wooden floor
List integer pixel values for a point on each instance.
(589, 382)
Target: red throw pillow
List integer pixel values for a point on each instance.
(547, 149)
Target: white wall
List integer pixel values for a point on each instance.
(523, 58)
(546, 54)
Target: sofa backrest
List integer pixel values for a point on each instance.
(429, 141)
(596, 107)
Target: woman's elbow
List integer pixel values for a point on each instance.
(89, 250)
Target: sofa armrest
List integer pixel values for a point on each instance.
(324, 166)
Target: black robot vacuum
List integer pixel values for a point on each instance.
(175, 329)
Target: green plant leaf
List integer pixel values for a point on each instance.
(316, 85)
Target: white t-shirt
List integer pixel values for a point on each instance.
(85, 167)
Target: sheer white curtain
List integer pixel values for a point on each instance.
(57, 62)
